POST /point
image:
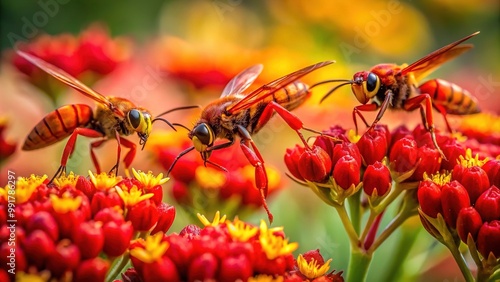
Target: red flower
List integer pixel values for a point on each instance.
(377, 177)
(475, 180)
(468, 222)
(166, 218)
(92, 270)
(454, 197)
(160, 270)
(203, 267)
(38, 246)
(292, 157)
(487, 239)
(117, 237)
(346, 148)
(346, 172)
(429, 197)
(235, 268)
(315, 165)
(488, 204)
(43, 221)
(143, 215)
(452, 151)
(430, 161)
(66, 257)
(89, 238)
(404, 155)
(492, 169)
(373, 145)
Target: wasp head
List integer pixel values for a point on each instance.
(203, 137)
(140, 121)
(365, 86)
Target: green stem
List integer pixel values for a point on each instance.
(117, 267)
(368, 225)
(351, 232)
(359, 262)
(355, 211)
(391, 227)
(460, 261)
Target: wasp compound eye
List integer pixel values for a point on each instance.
(134, 117)
(204, 134)
(371, 82)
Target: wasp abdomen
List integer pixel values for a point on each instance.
(453, 98)
(57, 125)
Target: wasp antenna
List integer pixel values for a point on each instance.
(177, 158)
(181, 125)
(333, 90)
(216, 165)
(165, 121)
(329, 81)
(178, 109)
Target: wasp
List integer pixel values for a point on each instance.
(113, 118)
(236, 114)
(395, 86)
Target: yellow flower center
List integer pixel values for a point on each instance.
(103, 181)
(154, 248)
(149, 180)
(132, 196)
(66, 180)
(217, 219)
(240, 230)
(274, 246)
(483, 122)
(439, 178)
(210, 178)
(66, 203)
(23, 188)
(312, 269)
(42, 276)
(265, 278)
(352, 136)
(469, 161)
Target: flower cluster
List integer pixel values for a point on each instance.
(464, 204)
(93, 51)
(224, 250)
(78, 228)
(206, 189)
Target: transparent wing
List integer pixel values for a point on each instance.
(242, 80)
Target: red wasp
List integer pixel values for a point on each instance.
(393, 86)
(236, 114)
(113, 118)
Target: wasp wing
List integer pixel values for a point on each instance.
(430, 62)
(242, 80)
(69, 80)
(268, 89)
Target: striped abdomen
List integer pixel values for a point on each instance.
(57, 125)
(453, 98)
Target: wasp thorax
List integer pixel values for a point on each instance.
(365, 86)
(140, 122)
(202, 136)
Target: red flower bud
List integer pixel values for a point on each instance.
(109, 214)
(157, 192)
(399, 133)
(143, 215)
(326, 143)
(84, 185)
(179, 251)
(89, 238)
(475, 180)
(373, 145)
(190, 231)
(160, 270)
(117, 237)
(180, 192)
(430, 161)
(314, 255)
(166, 218)
(43, 221)
(235, 268)
(488, 204)
(292, 157)
(38, 247)
(102, 200)
(9, 258)
(66, 257)
(492, 169)
(452, 150)
(429, 197)
(276, 266)
(203, 268)
(487, 239)
(346, 172)
(454, 197)
(346, 148)
(468, 221)
(377, 176)
(92, 270)
(315, 165)
(404, 155)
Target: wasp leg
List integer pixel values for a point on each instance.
(428, 119)
(292, 120)
(357, 111)
(70, 147)
(443, 112)
(129, 157)
(253, 155)
(93, 146)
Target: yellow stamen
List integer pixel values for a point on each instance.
(66, 180)
(210, 178)
(66, 203)
(352, 136)
(274, 246)
(153, 248)
(103, 181)
(23, 188)
(469, 161)
(439, 178)
(312, 269)
(265, 278)
(132, 196)
(42, 276)
(149, 180)
(217, 219)
(240, 230)
(485, 123)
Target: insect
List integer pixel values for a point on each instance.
(113, 118)
(393, 86)
(236, 114)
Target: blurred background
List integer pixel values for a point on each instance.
(165, 54)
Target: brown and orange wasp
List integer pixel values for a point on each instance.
(113, 118)
(236, 114)
(395, 86)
